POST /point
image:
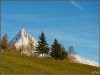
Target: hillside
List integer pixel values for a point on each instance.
(14, 64)
(29, 43)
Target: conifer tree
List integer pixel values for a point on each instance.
(54, 49)
(43, 45)
(58, 51)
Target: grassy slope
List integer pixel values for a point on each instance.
(14, 64)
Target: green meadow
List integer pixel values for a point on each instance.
(16, 64)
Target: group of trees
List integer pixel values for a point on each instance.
(57, 51)
(4, 44)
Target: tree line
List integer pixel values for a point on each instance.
(57, 50)
(4, 45)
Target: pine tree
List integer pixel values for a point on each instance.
(64, 54)
(54, 49)
(58, 51)
(4, 42)
(43, 45)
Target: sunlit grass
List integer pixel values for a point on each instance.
(15, 64)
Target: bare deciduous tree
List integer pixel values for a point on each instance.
(71, 53)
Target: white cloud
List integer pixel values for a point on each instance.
(78, 6)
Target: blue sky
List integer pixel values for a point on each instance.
(73, 23)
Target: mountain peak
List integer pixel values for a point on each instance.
(23, 29)
(23, 38)
(23, 32)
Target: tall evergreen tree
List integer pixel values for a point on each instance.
(54, 49)
(43, 45)
(64, 54)
(4, 42)
(58, 51)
